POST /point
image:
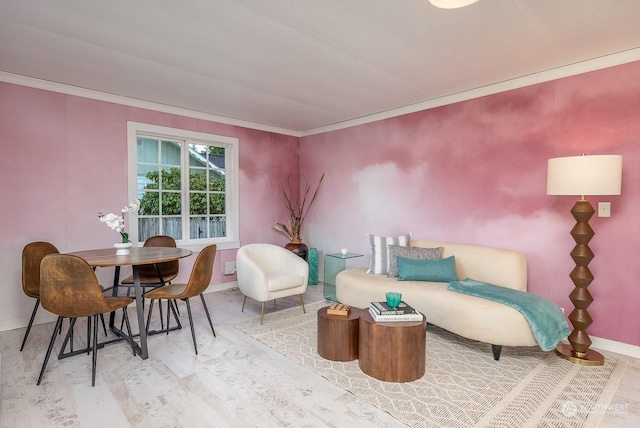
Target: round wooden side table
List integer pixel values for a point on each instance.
(338, 335)
(392, 351)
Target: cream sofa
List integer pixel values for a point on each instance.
(472, 317)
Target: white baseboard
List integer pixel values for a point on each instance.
(221, 287)
(43, 317)
(615, 347)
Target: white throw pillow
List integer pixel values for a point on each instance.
(380, 250)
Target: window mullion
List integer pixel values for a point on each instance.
(184, 192)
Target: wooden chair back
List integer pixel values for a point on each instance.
(69, 287)
(32, 255)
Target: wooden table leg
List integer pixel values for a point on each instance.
(140, 309)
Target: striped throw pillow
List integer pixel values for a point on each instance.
(380, 250)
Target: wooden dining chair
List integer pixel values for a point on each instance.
(156, 275)
(198, 282)
(32, 255)
(69, 288)
(159, 273)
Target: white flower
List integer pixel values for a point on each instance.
(133, 207)
(115, 222)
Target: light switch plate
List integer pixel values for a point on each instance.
(604, 209)
(229, 268)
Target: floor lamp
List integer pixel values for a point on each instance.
(451, 4)
(579, 176)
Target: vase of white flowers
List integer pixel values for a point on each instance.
(122, 248)
(117, 223)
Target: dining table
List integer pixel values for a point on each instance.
(106, 257)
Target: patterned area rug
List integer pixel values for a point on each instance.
(463, 385)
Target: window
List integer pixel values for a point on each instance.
(187, 183)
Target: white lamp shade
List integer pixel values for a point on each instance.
(451, 4)
(585, 175)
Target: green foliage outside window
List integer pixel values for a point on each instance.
(170, 190)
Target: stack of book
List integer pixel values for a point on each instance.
(381, 312)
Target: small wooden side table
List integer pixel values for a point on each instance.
(392, 351)
(338, 335)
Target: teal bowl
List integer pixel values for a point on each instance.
(393, 299)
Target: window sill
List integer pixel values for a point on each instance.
(227, 245)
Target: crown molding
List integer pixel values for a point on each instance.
(520, 82)
(62, 88)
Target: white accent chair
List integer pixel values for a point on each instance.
(267, 271)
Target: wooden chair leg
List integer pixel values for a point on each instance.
(206, 311)
(243, 302)
(53, 339)
(68, 338)
(193, 332)
(126, 320)
(171, 308)
(104, 324)
(94, 360)
(261, 313)
(149, 316)
(89, 333)
(168, 316)
(33, 315)
(173, 304)
(161, 315)
(71, 324)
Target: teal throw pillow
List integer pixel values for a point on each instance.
(443, 270)
(413, 253)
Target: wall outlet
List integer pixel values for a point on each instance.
(229, 268)
(604, 209)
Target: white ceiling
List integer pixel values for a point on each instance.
(303, 64)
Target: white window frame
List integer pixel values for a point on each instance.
(232, 240)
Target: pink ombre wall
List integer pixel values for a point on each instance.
(475, 172)
(64, 158)
(472, 172)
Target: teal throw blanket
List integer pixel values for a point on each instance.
(547, 321)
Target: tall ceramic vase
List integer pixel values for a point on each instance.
(299, 248)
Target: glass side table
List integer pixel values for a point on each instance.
(334, 264)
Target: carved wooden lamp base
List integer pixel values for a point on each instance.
(578, 352)
(589, 358)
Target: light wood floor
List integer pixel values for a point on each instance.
(234, 381)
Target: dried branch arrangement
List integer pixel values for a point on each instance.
(298, 210)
